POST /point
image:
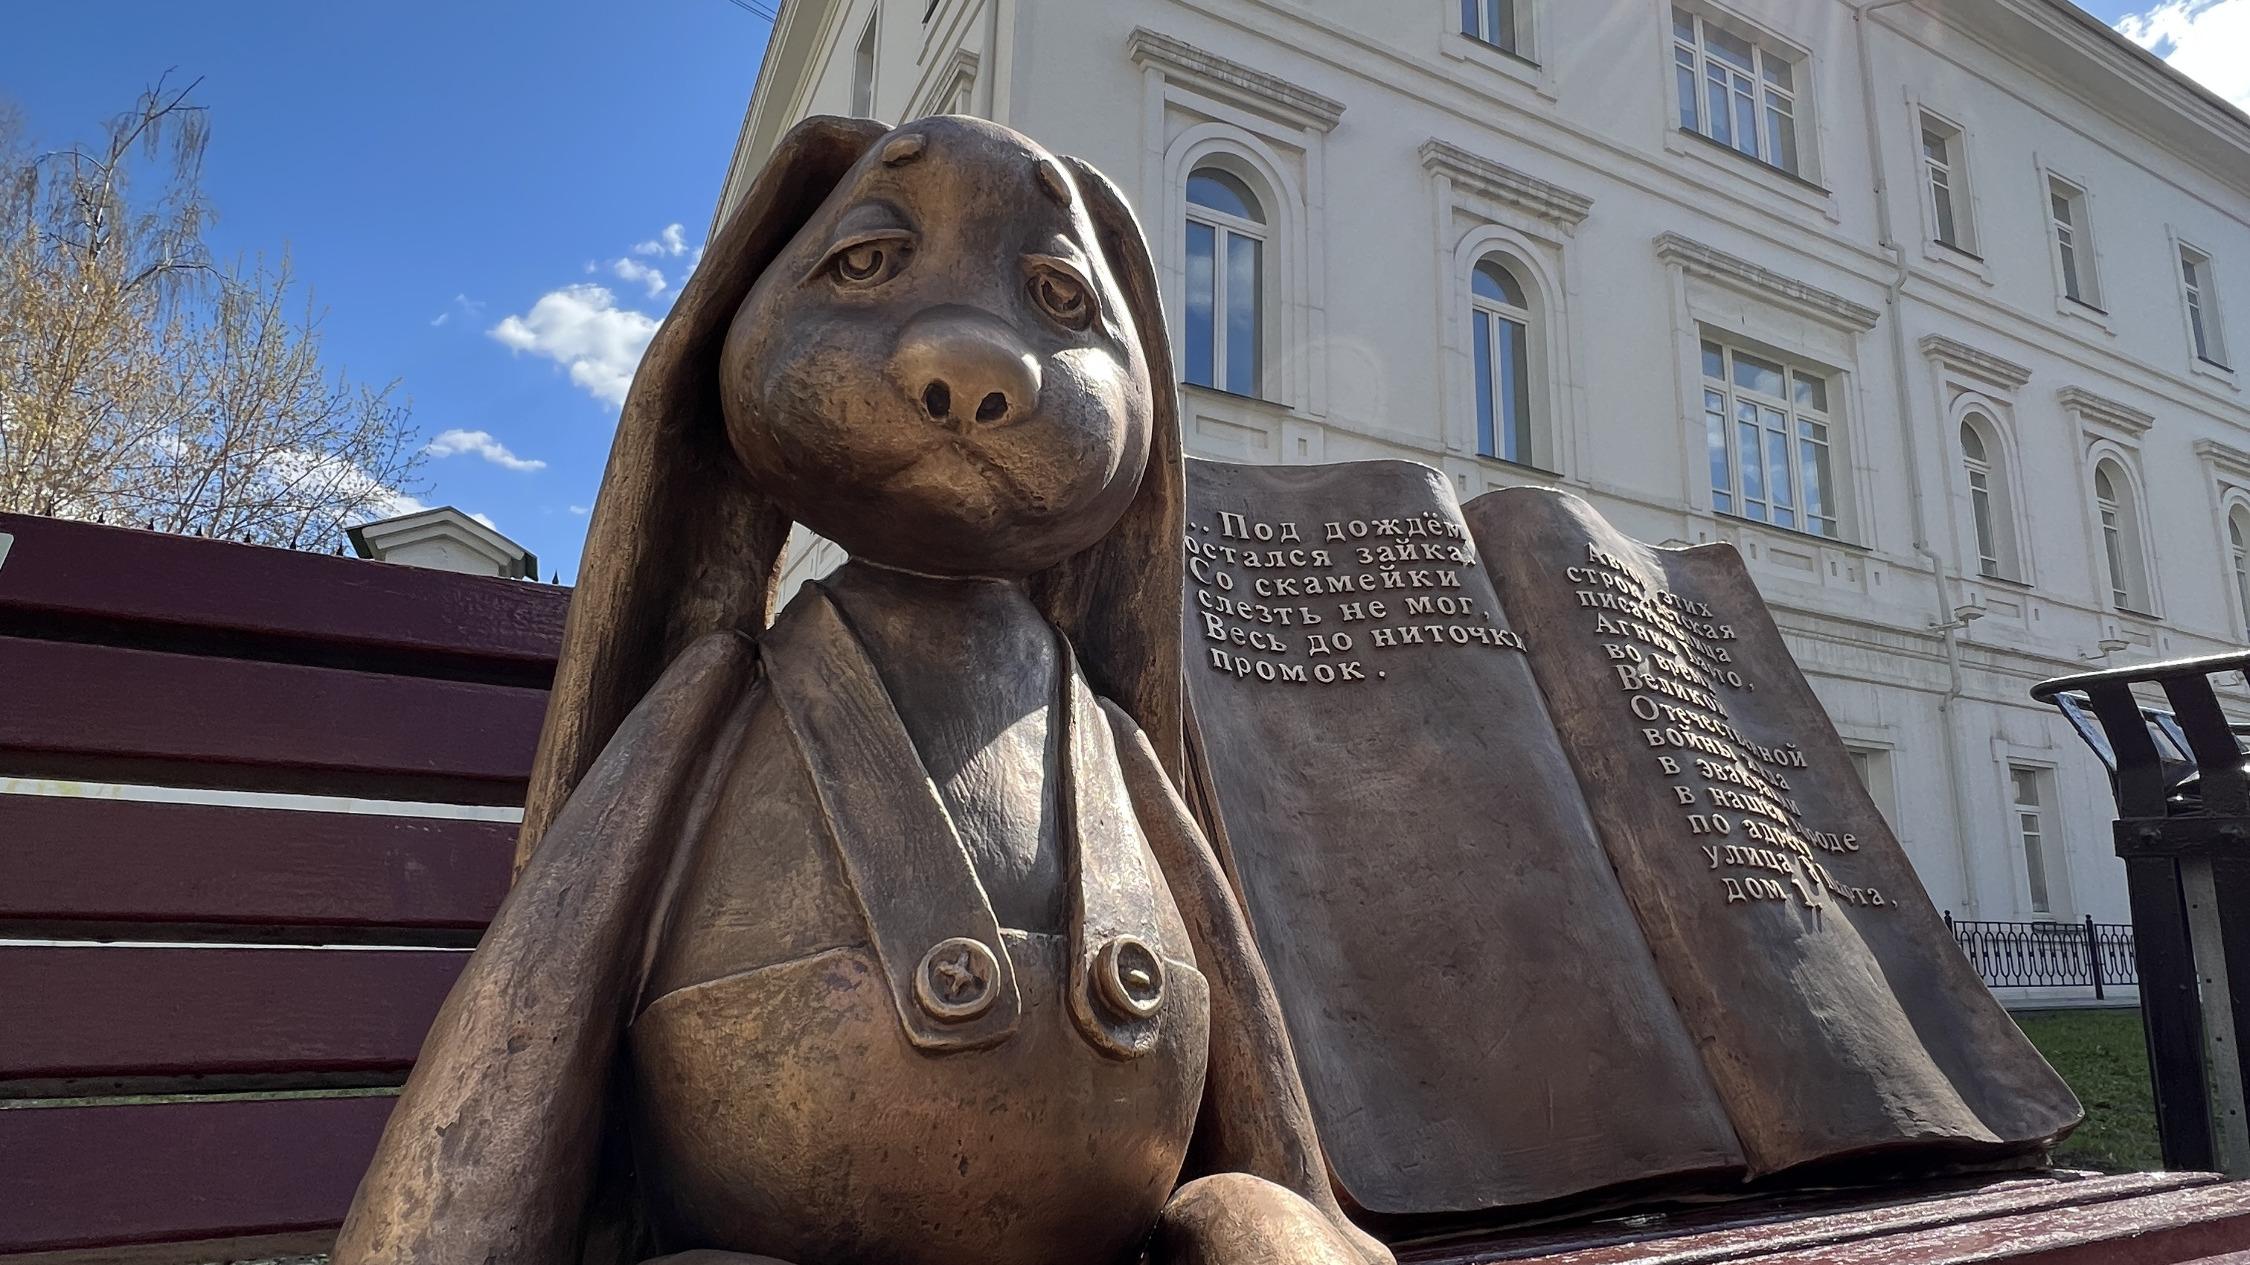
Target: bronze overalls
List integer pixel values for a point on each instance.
(1032, 1093)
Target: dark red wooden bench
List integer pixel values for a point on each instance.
(205, 1010)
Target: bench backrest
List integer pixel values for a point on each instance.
(206, 1007)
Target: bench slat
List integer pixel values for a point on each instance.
(110, 862)
(1751, 1230)
(89, 1012)
(76, 570)
(2167, 1229)
(100, 712)
(102, 1177)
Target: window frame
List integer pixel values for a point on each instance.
(2036, 859)
(1226, 227)
(1728, 424)
(1872, 768)
(1983, 518)
(1490, 444)
(2070, 241)
(2200, 303)
(1957, 181)
(1518, 20)
(2235, 520)
(1977, 414)
(2121, 537)
(865, 52)
(1693, 55)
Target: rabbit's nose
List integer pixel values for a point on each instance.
(965, 368)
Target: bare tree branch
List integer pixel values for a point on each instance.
(140, 381)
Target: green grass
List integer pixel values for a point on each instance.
(2101, 1055)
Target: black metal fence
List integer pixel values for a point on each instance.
(2084, 954)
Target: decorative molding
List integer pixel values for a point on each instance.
(960, 69)
(1760, 282)
(1505, 185)
(1973, 362)
(2119, 421)
(1233, 81)
(2225, 459)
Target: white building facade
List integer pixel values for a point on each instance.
(1923, 305)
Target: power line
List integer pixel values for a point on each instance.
(769, 12)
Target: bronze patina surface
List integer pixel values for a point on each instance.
(1476, 1012)
(880, 934)
(1833, 1009)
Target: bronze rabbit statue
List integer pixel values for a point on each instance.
(874, 932)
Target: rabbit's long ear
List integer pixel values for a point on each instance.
(1119, 600)
(680, 544)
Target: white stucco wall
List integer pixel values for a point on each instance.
(1335, 104)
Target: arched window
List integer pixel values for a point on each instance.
(1226, 236)
(1991, 510)
(2238, 557)
(2122, 554)
(1500, 334)
(1980, 499)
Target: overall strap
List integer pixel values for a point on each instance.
(928, 917)
(1117, 984)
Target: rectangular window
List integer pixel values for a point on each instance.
(1872, 765)
(2029, 809)
(1945, 178)
(863, 69)
(1737, 91)
(2074, 254)
(1767, 428)
(2202, 306)
(1495, 22)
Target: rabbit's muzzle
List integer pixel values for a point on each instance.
(965, 369)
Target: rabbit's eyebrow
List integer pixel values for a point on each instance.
(1057, 247)
(869, 217)
(1051, 182)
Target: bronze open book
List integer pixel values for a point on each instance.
(1565, 880)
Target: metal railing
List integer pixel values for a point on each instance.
(2184, 835)
(2087, 954)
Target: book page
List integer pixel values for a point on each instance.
(1478, 1018)
(1836, 1014)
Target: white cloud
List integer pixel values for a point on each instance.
(639, 273)
(582, 328)
(467, 307)
(454, 442)
(2206, 40)
(672, 241)
(582, 510)
(486, 519)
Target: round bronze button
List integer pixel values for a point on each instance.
(957, 980)
(1131, 976)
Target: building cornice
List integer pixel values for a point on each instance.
(1973, 362)
(1505, 185)
(782, 71)
(1760, 282)
(2100, 413)
(1231, 80)
(2225, 459)
(2100, 43)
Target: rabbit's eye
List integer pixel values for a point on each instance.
(1063, 298)
(866, 263)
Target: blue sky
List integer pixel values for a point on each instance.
(479, 191)
(412, 152)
